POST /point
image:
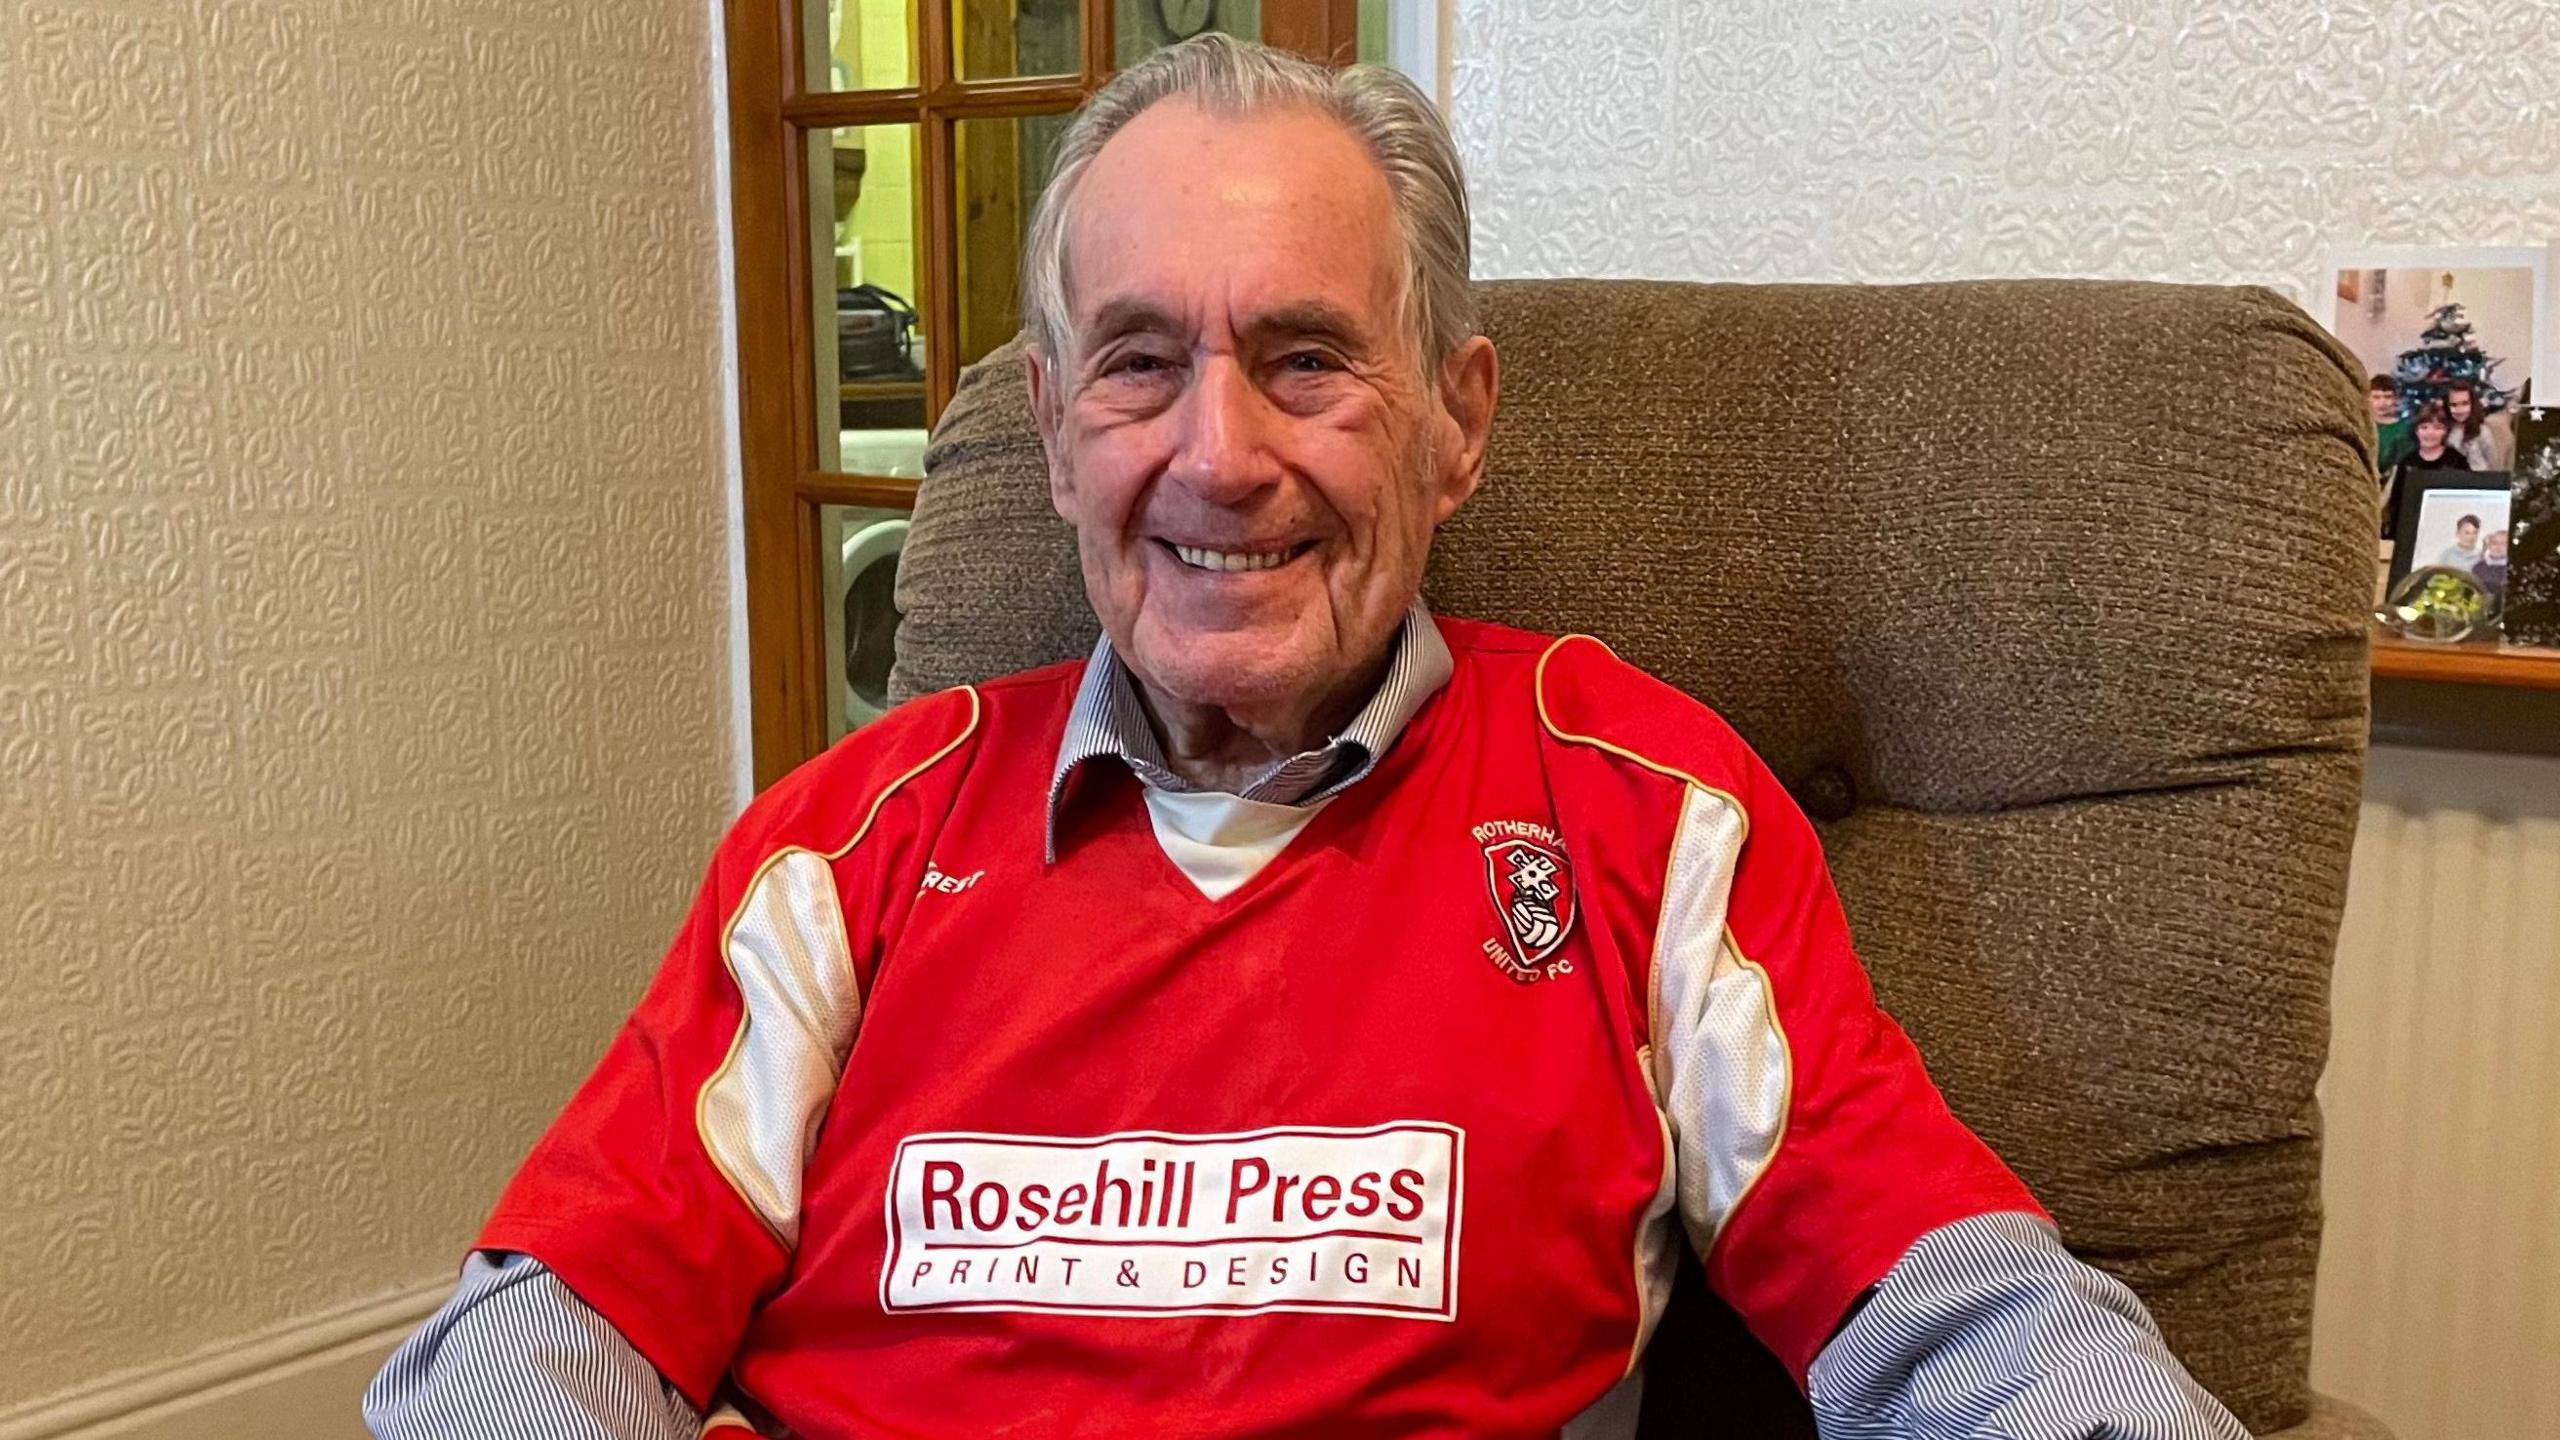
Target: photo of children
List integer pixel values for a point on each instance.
(2460, 335)
(2449, 341)
(2464, 530)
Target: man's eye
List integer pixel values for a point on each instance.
(1136, 364)
(1308, 362)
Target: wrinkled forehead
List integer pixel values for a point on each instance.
(1221, 221)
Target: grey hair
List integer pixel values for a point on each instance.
(1400, 127)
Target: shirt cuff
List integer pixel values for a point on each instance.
(1988, 1326)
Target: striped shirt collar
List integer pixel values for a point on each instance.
(1108, 721)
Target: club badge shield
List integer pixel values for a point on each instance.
(1531, 883)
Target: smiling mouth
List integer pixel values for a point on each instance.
(1199, 558)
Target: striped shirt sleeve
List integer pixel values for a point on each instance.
(514, 1353)
(1989, 1327)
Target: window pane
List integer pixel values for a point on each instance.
(997, 39)
(858, 44)
(1320, 29)
(858, 570)
(1140, 27)
(865, 296)
(1003, 165)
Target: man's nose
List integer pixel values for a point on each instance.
(1225, 448)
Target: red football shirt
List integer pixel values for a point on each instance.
(919, 1133)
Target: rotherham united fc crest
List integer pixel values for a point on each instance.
(1531, 883)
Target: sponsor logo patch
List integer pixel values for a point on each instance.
(1531, 882)
(1294, 1218)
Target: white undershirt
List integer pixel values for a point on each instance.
(1220, 841)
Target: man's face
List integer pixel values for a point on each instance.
(2466, 534)
(2386, 405)
(1239, 428)
(2496, 549)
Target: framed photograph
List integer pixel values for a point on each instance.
(2455, 332)
(2533, 550)
(2454, 519)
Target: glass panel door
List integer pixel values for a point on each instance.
(1002, 39)
(857, 45)
(1004, 165)
(858, 548)
(1141, 27)
(868, 264)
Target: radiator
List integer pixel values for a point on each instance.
(2439, 1292)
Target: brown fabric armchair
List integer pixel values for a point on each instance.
(2047, 599)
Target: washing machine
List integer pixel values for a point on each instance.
(870, 616)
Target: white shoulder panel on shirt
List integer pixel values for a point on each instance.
(1720, 1062)
(786, 947)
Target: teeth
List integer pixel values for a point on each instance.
(1224, 560)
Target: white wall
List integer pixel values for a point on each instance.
(362, 646)
(2226, 141)
(2204, 140)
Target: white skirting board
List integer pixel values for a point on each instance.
(302, 1379)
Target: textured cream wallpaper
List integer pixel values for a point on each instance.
(2199, 140)
(2218, 141)
(362, 637)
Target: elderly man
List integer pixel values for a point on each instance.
(1305, 1016)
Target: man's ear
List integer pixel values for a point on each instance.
(1470, 384)
(1048, 395)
